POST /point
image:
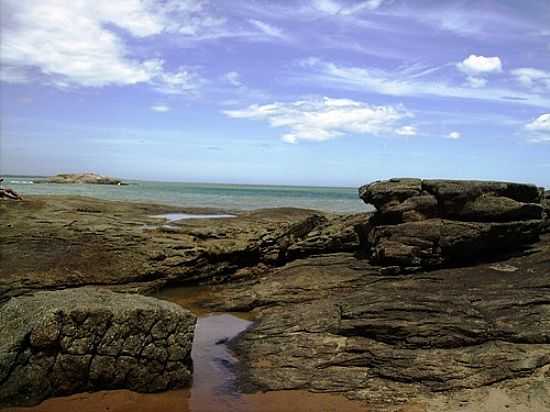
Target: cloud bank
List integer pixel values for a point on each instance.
(326, 118)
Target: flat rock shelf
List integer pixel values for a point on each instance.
(439, 300)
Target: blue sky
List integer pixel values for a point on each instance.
(319, 92)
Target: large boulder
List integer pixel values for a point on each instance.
(85, 339)
(427, 223)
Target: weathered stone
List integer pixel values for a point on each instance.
(432, 242)
(546, 205)
(407, 200)
(428, 223)
(79, 241)
(381, 193)
(85, 339)
(337, 324)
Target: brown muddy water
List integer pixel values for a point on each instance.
(213, 388)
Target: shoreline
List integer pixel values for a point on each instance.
(329, 317)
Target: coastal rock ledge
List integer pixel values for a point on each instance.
(430, 223)
(85, 339)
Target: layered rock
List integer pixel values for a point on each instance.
(546, 205)
(427, 223)
(90, 178)
(448, 339)
(85, 339)
(52, 242)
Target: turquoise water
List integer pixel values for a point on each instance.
(219, 196)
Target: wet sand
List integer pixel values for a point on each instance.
(178, 401)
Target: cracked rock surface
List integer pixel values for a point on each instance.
(334, 323)
(86, 339)
(59, 241)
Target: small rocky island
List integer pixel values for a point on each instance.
(88, 178)
(437, 301)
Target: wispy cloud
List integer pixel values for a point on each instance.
(336, 7)
(403, 83)
(269, 30)
(233, 78)
(162, 108)
(540, 128)
(325, 119)
(533, 78)
(406, 131)
(454, 135)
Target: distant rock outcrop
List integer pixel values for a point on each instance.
(85, 339)
(427, 223)
(8, 194)
(90, 178)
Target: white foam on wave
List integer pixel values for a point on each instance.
(172, 217)
(22, 182)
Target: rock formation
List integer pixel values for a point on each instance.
(429, 223)
(90, 178)
(8, 194)
(85, 339)
(546, 205)
(83, 241)
(336, 324)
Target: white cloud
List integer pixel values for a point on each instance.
(327, 6)
(454, 135)
(406, 131)
(334, 7)
(162, 108)
(233, 78)
(541, 123)
(540, 127)
(476, 82)
(532, 78)
(364, 5)
(183, 81)
(70, 43)
(324, 119)
(478, 66)
(405, 83)
(268, 29)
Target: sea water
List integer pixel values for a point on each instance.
(210, 195)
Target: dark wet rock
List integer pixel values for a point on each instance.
(54, 242)
(546, 205)
(406, 200)
(428, 223)
(90, 178)
(315, 235)
(8, 194)
(86, 339)
(337, 324)
(434, 242)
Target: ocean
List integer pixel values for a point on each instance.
(212, 195)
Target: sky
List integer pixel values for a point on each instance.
(305, 92)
